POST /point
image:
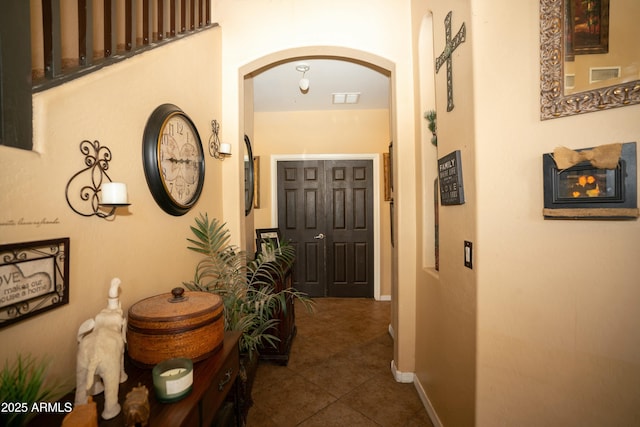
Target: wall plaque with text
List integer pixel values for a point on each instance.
(34, 277)
(450, 176)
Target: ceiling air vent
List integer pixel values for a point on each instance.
(346, 97)
(598, 74)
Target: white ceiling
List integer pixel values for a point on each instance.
(276, 88)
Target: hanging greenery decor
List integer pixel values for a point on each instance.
(431, 118)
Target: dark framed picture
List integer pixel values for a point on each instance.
(256, 182)
(391, 167)
(34, 277)
(450, 177)
(588, 29)
(436, 225)
(387, 176)
(267, 236)
(586, 191)
(392, 214)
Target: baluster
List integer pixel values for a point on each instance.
(52, 40)
(146, 22)
(160, 20)
(183, 16)
(172, 20)
(109, 27)
(192, 9)
(130, 25)
(85, 32)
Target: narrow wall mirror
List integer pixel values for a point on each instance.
(562, 67)
(248, 176)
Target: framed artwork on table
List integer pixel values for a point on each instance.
(267, 236)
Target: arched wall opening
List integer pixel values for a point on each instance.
(246, 72)
(428, 147)
(293, 54)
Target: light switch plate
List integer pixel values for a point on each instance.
(468, 254)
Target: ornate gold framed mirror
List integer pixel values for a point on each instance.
(555, 100)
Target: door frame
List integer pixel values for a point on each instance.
(375, 157)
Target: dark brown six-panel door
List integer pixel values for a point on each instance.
(325, 209)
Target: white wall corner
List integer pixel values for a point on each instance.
(427, 404)
(401, 377)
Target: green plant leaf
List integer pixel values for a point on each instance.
(25, 381)
(246, 286)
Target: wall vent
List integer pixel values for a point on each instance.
(346, 98)
(569, 81)
(598, 74)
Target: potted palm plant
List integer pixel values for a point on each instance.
(247, 288)
(22, 385)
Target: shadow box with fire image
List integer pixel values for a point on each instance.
(594, 184)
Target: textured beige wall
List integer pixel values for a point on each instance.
(446, 299)
(378, 34)
(541, 331)
(142, 245)
(557, 315)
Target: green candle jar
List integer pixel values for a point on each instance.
(173, 379)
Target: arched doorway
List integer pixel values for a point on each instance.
(310, 148)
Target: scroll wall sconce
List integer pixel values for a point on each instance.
(92, 187)
(216, 149)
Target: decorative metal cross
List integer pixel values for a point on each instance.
(451, 45)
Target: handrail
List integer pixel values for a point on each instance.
(147, 24)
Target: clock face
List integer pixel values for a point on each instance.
(179, 159)
(173, 159)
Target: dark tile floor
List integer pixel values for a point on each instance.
(338, 373)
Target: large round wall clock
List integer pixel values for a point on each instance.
(173, 159)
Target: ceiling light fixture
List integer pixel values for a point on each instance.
(304, 82)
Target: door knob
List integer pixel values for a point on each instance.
(319, 236)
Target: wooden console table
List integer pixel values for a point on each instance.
(213, 380)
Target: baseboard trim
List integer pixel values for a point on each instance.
(401, 377)
(384, 298)
(410, 377)
(427, 403)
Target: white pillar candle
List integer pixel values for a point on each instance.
(225, 148)
(172, 372)
(114, 193)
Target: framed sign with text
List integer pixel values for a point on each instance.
(34, 277)
(450, 177)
